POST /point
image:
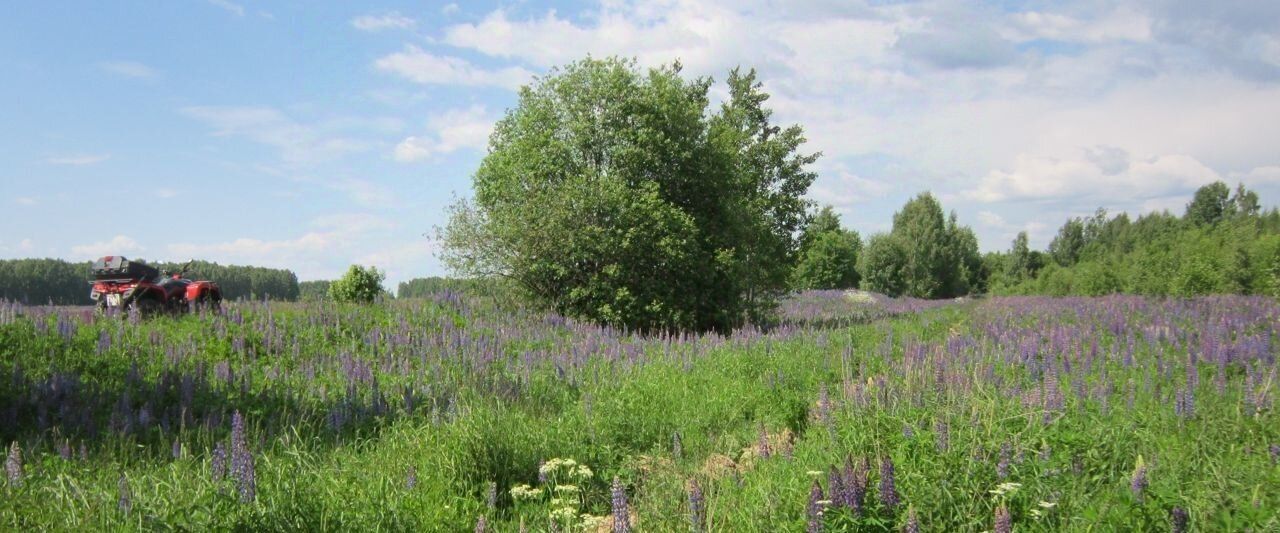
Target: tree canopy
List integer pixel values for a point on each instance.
(358, 285)
(925, 255)
(828, 257)
(610, 193)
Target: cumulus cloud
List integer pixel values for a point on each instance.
(118, 245)
(25, 200)
(229, 7)
(448, 132)
(392, 20)
(322, 251)
(78, 160)
(297, 142)
(129, 69)
(1042, 177)
(1062, 104)
(420, 66)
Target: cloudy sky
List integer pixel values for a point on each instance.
(311, 135)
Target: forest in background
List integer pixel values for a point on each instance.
(60, 282)
(1224, 243)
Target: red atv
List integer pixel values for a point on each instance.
(124, 284)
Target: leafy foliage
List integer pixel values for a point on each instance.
(611, 194)
(1224, 244)
(358, 285)
(828, 256)
(926, 255)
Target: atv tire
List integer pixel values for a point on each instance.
(148, 307)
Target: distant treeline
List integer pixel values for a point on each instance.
(1223, 244)
(423, 287)
(42, 281)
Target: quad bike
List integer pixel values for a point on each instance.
(119, 283)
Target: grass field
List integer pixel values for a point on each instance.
(456, 413)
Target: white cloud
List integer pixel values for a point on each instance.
(449, 9)
(297, 143)
(230, 7)
(448, 132)
(118, 245)
(842, 188)
(1045, 177)
(25, 200)
(366, 193)
(1122, 24)
(78, 160)
(165, 193)
(420, 66)
(130, 69)
(392, 20)
(322, 252)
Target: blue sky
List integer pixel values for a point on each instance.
(312, 135)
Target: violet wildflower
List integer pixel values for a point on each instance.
(1138, 483)
(64, 450)
(888, 491)
(218, 463)
(1275, 453)
(242, 460)
(697, 507)
(176, 449)
(837, 487)
(621, 515)
(1003, 522)
(677, 449)
(941, 436)
(411, 478)
(856, 484)
(13, 465)
(125, 503)
(1179, 518)
(482, 525)
(1002, 466)
(813, 510)
(491, 495)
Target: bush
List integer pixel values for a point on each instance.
(359, 285)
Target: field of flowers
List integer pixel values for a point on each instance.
(457, 413)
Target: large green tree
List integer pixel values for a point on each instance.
(611, 193)
(828, 257)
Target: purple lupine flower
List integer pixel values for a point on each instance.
(621, 515)
(13, 465)
(764, 442)
(1003, 522)
(1002, 466)
(218, 463)
(1139, 482)
(491, 495)
(242, 468)
(64, 450)
(941, 436)
(888, 491)
(482, 525)
(1275, 453)
(836, 488)
(813, 510)
(697, 507)
(677, 449)
(411, 478)
(125, 503)
(856, 483)
(1179, 518)
(908, 432)
(913, 523)
(176, 448)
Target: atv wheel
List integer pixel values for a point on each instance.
(148, 307)
(208, 303)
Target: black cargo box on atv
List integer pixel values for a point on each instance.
(114, 267)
